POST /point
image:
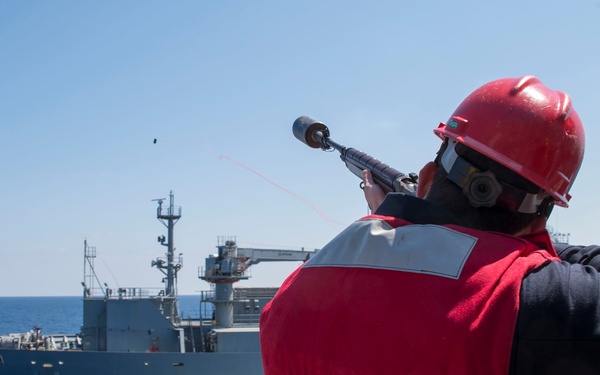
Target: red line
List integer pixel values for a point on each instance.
(320, 212)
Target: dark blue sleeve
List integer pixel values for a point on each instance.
(558, 325)
(586, 255)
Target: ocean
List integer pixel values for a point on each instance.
(60, 314)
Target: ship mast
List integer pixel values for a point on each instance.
(169, 217)
(89, 272)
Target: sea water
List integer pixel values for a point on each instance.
(56, 315)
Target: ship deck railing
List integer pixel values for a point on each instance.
(127, 293)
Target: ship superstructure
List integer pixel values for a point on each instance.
(140, 331)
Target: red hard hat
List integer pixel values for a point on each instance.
(525, 126)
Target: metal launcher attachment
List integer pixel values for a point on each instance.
(311, 132)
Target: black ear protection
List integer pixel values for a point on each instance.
(484, 190)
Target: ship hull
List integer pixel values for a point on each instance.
(25, 362)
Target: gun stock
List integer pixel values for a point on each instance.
(315, 134)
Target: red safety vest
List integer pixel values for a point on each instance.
(390, 297)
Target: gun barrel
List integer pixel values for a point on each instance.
(315, 134)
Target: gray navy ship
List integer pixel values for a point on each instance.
(140, 331)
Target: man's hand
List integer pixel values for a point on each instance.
(373, 193)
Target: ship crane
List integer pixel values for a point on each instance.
(229, 266)
(255, 256)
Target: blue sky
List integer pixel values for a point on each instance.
(86, 86)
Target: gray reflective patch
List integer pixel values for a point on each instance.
(429, 249)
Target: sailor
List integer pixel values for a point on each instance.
(463, 278)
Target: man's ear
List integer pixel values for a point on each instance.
(425, 178)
